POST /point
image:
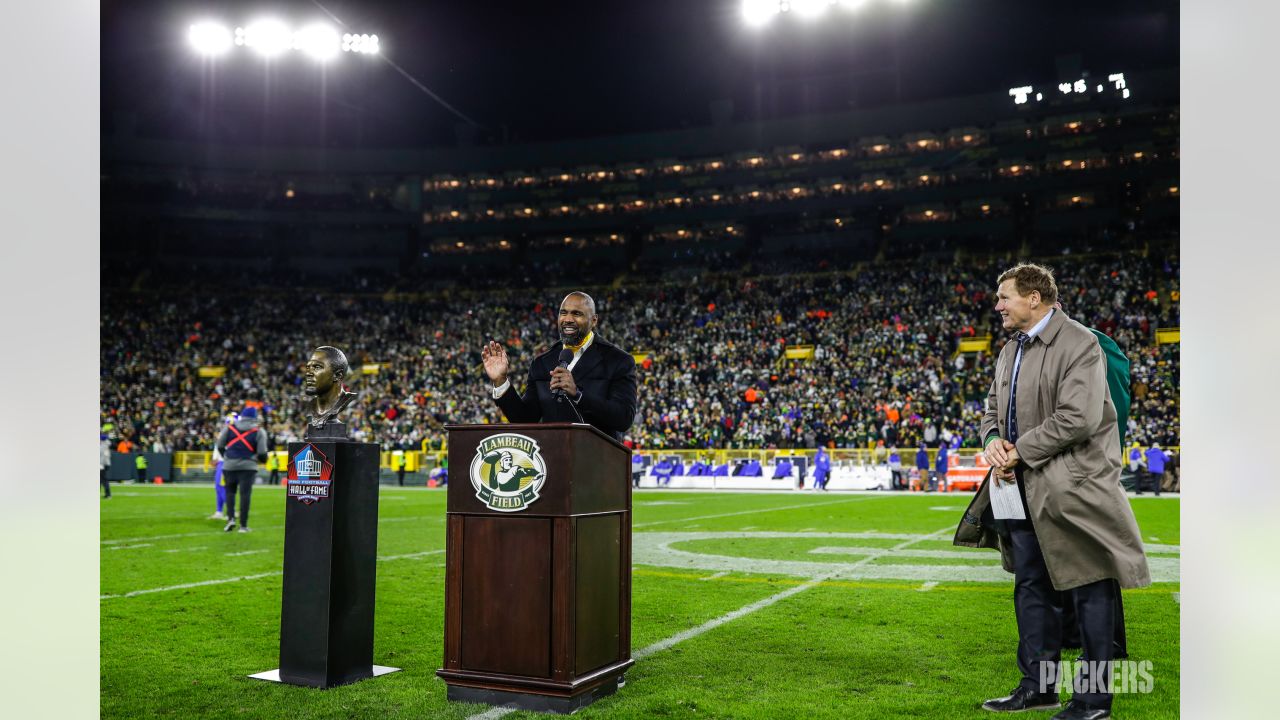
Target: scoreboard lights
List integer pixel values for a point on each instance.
(273, 38)
(1115, 85)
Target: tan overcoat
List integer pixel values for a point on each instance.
(1068, 442)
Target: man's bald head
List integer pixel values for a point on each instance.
(591, 303)
(577, 318)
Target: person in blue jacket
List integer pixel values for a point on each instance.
(922, 464)
(821, 469)
(940, 468)
(1156, 458)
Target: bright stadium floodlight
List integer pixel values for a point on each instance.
(810, 9)
(852, 4)
(268, 37)
(320, 41)
(209, 38)
(273, 38)
(367, 44)
(758, 13)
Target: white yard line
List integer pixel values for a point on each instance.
(213, 530)
(927, 586)
(720, 574)
(175, 550)
(222, 581)
(410, 556)
(245, 552)
(129, 547)
(680, 637)
(184, 586)
(1177, 597)
(216, 528)
(933, 554)
(750, 512)
(729, 617)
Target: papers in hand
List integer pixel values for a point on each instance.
(1006, 504)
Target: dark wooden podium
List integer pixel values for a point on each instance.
(537, 596)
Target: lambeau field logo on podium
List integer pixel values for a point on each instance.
(508, 471)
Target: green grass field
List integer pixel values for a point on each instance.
(880, 616)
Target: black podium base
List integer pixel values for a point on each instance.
(532, 701)
(330, 563)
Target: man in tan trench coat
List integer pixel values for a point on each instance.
(1057, 442)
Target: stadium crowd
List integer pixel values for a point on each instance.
(714, 371)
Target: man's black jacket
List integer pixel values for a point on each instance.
(605, 374)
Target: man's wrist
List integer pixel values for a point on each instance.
(990, 438)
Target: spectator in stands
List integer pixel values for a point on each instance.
(244, 445)
(694, 381)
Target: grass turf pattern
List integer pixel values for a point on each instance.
(187, 611)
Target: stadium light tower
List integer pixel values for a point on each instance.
(320, 41)
(810, 9)
(209, 38)
(273, 38)
(758, 13)
(268, 37)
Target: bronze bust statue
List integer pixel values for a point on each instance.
(324, 395)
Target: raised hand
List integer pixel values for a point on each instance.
(496, 365)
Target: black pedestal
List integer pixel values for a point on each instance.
(330, 558)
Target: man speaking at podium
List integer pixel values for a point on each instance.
(582, 378)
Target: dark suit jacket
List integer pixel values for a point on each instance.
(605, 374)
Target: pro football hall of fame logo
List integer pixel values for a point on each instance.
(508, 471)
(310, 475)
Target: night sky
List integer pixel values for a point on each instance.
(529, 71)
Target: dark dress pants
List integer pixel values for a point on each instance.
(242, 481)
(1039, 609)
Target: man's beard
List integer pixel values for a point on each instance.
(310, 392)
(574, 339)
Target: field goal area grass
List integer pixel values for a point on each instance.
(744, 605)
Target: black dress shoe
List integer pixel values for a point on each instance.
(1077, 710)
(1022, 699)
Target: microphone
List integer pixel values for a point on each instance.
(566, 357)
